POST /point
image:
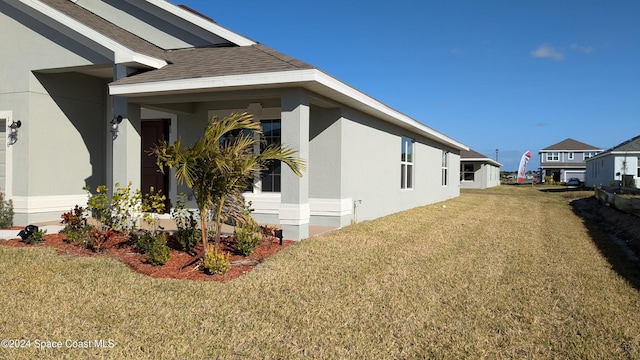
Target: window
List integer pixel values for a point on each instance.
(638, 174)
(553, 156)
(271, 176)
(590, 154)
(468, 173)
(445, 168)
(406, 164)
(570, 155)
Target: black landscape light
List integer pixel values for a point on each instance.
(278, 233)
(27, 232)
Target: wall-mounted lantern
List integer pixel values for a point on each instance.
(115, 122)
(13, 132)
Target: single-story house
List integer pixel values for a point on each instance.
(95, 83)
(565, 160)
(619, 165)
(478, 171)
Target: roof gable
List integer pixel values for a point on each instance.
(571, 144)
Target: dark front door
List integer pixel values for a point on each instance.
(154, 131)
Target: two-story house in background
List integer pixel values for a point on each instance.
(566, 160)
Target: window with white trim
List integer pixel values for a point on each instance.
(553, 156)
(445, 168)
(406, 164)
(590, 154)
(570, 155)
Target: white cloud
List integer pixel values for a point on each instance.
(547, 51)
(582, 48)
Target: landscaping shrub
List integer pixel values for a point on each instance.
(36, 237)
(153, 246)
(75, 227)
(98, 204)
(188, 238)
(215, 262)
(188, 234)
(247, 236)
(122, 212)
(6, 212)
(158, 252)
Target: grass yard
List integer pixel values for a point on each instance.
(509, 272)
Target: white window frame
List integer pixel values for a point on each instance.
(570, 155)
(445, 168)
(406, 163)
(553, 156)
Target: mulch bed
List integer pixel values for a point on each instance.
(118, 247)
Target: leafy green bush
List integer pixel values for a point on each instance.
(215, 262)
(188, 234)
(247, 236)
(6, 212)
(98, 204)
(36, 237)
(158, 252)
(153, 246)
(188, 238)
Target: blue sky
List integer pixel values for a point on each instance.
(507, 75)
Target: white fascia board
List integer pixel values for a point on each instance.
(204, 83)
(295, 77)
(202, 23)
(487, 160)
(122, 54)
(376, 105)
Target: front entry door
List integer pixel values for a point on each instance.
(154, 131)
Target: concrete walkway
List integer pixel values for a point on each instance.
(54, 227)
(13, 234)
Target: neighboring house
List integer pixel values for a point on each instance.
(95, 83)
(478, 171)
(619, 165)
(566, 160)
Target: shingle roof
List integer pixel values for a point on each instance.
(106, 28)
(188, 63)
(207, 62)
(570, 144)
(470, 155)
(631, 145)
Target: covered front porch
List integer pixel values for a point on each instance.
(290, 116)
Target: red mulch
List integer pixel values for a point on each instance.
(118, 247)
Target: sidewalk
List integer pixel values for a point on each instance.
(54, 227)
(13, 234)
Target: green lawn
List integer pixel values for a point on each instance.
(509, 272)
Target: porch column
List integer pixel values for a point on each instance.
(294, 208)
(126, 162)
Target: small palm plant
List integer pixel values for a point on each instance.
(223, 163)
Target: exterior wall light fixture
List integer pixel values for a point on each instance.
(13, 132)
(114, 126)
